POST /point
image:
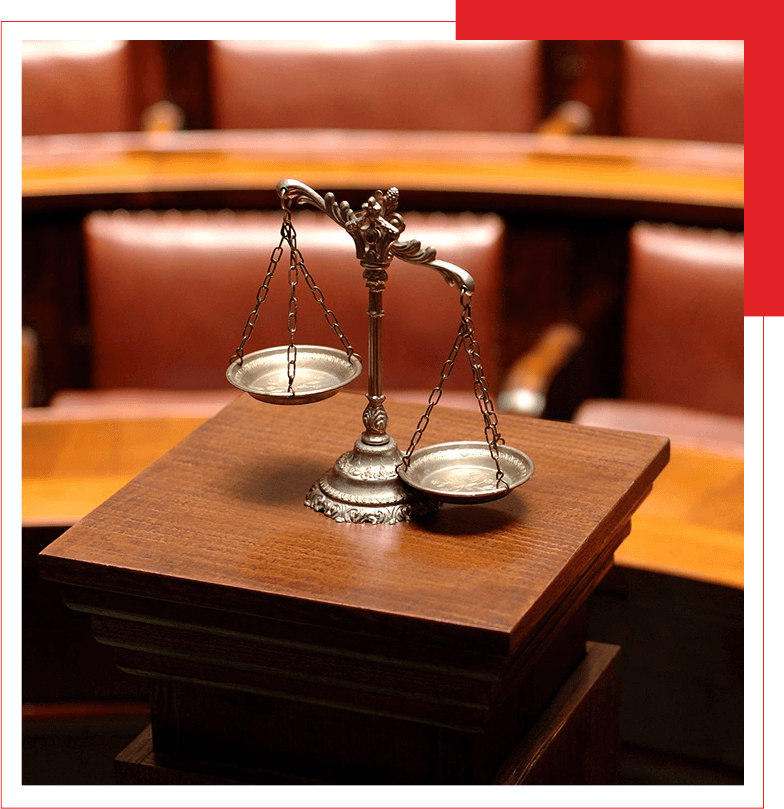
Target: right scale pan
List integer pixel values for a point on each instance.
(464, 472)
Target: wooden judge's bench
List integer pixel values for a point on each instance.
(284, 647)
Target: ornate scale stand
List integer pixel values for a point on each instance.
(374, 482)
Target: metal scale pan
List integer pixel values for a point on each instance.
(321, 373)
(464, 472)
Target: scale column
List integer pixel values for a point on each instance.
(363, 486)
(375, 415)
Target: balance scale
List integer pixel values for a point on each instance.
(374, 482)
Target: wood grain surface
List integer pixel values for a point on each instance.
(224, 508)
(690, 525)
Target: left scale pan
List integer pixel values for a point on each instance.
(320, 373)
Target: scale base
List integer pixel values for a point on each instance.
(363, 487)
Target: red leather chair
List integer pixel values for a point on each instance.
(171, 292)
(86, 86)
(683, 90)
(683, 371)
(490, 86)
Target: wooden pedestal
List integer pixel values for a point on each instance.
(288, 648)
(572, 742)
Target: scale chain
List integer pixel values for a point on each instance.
(492, 436)
(434, 398)
(465, 336)
(289, 236)
(329, 315)
(291, 319)
(263, 290)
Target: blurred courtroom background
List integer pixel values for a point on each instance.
(593, 187)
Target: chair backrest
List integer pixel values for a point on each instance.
(76, 86)
(683, 90)
(170, 293)
(490, 86)
(72, 86)
(684, 331)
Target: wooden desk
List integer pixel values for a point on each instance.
(504, 171)
(70, 467)
(284, 645)
(692, 524)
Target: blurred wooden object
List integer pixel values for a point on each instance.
(692, 524)
(521, 165)
(587, 71)
(70, 466)
(526, 385)
(163, 116)
(29, 362)
(570, 118)
(358, 604)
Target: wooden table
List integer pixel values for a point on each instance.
(285, 647)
